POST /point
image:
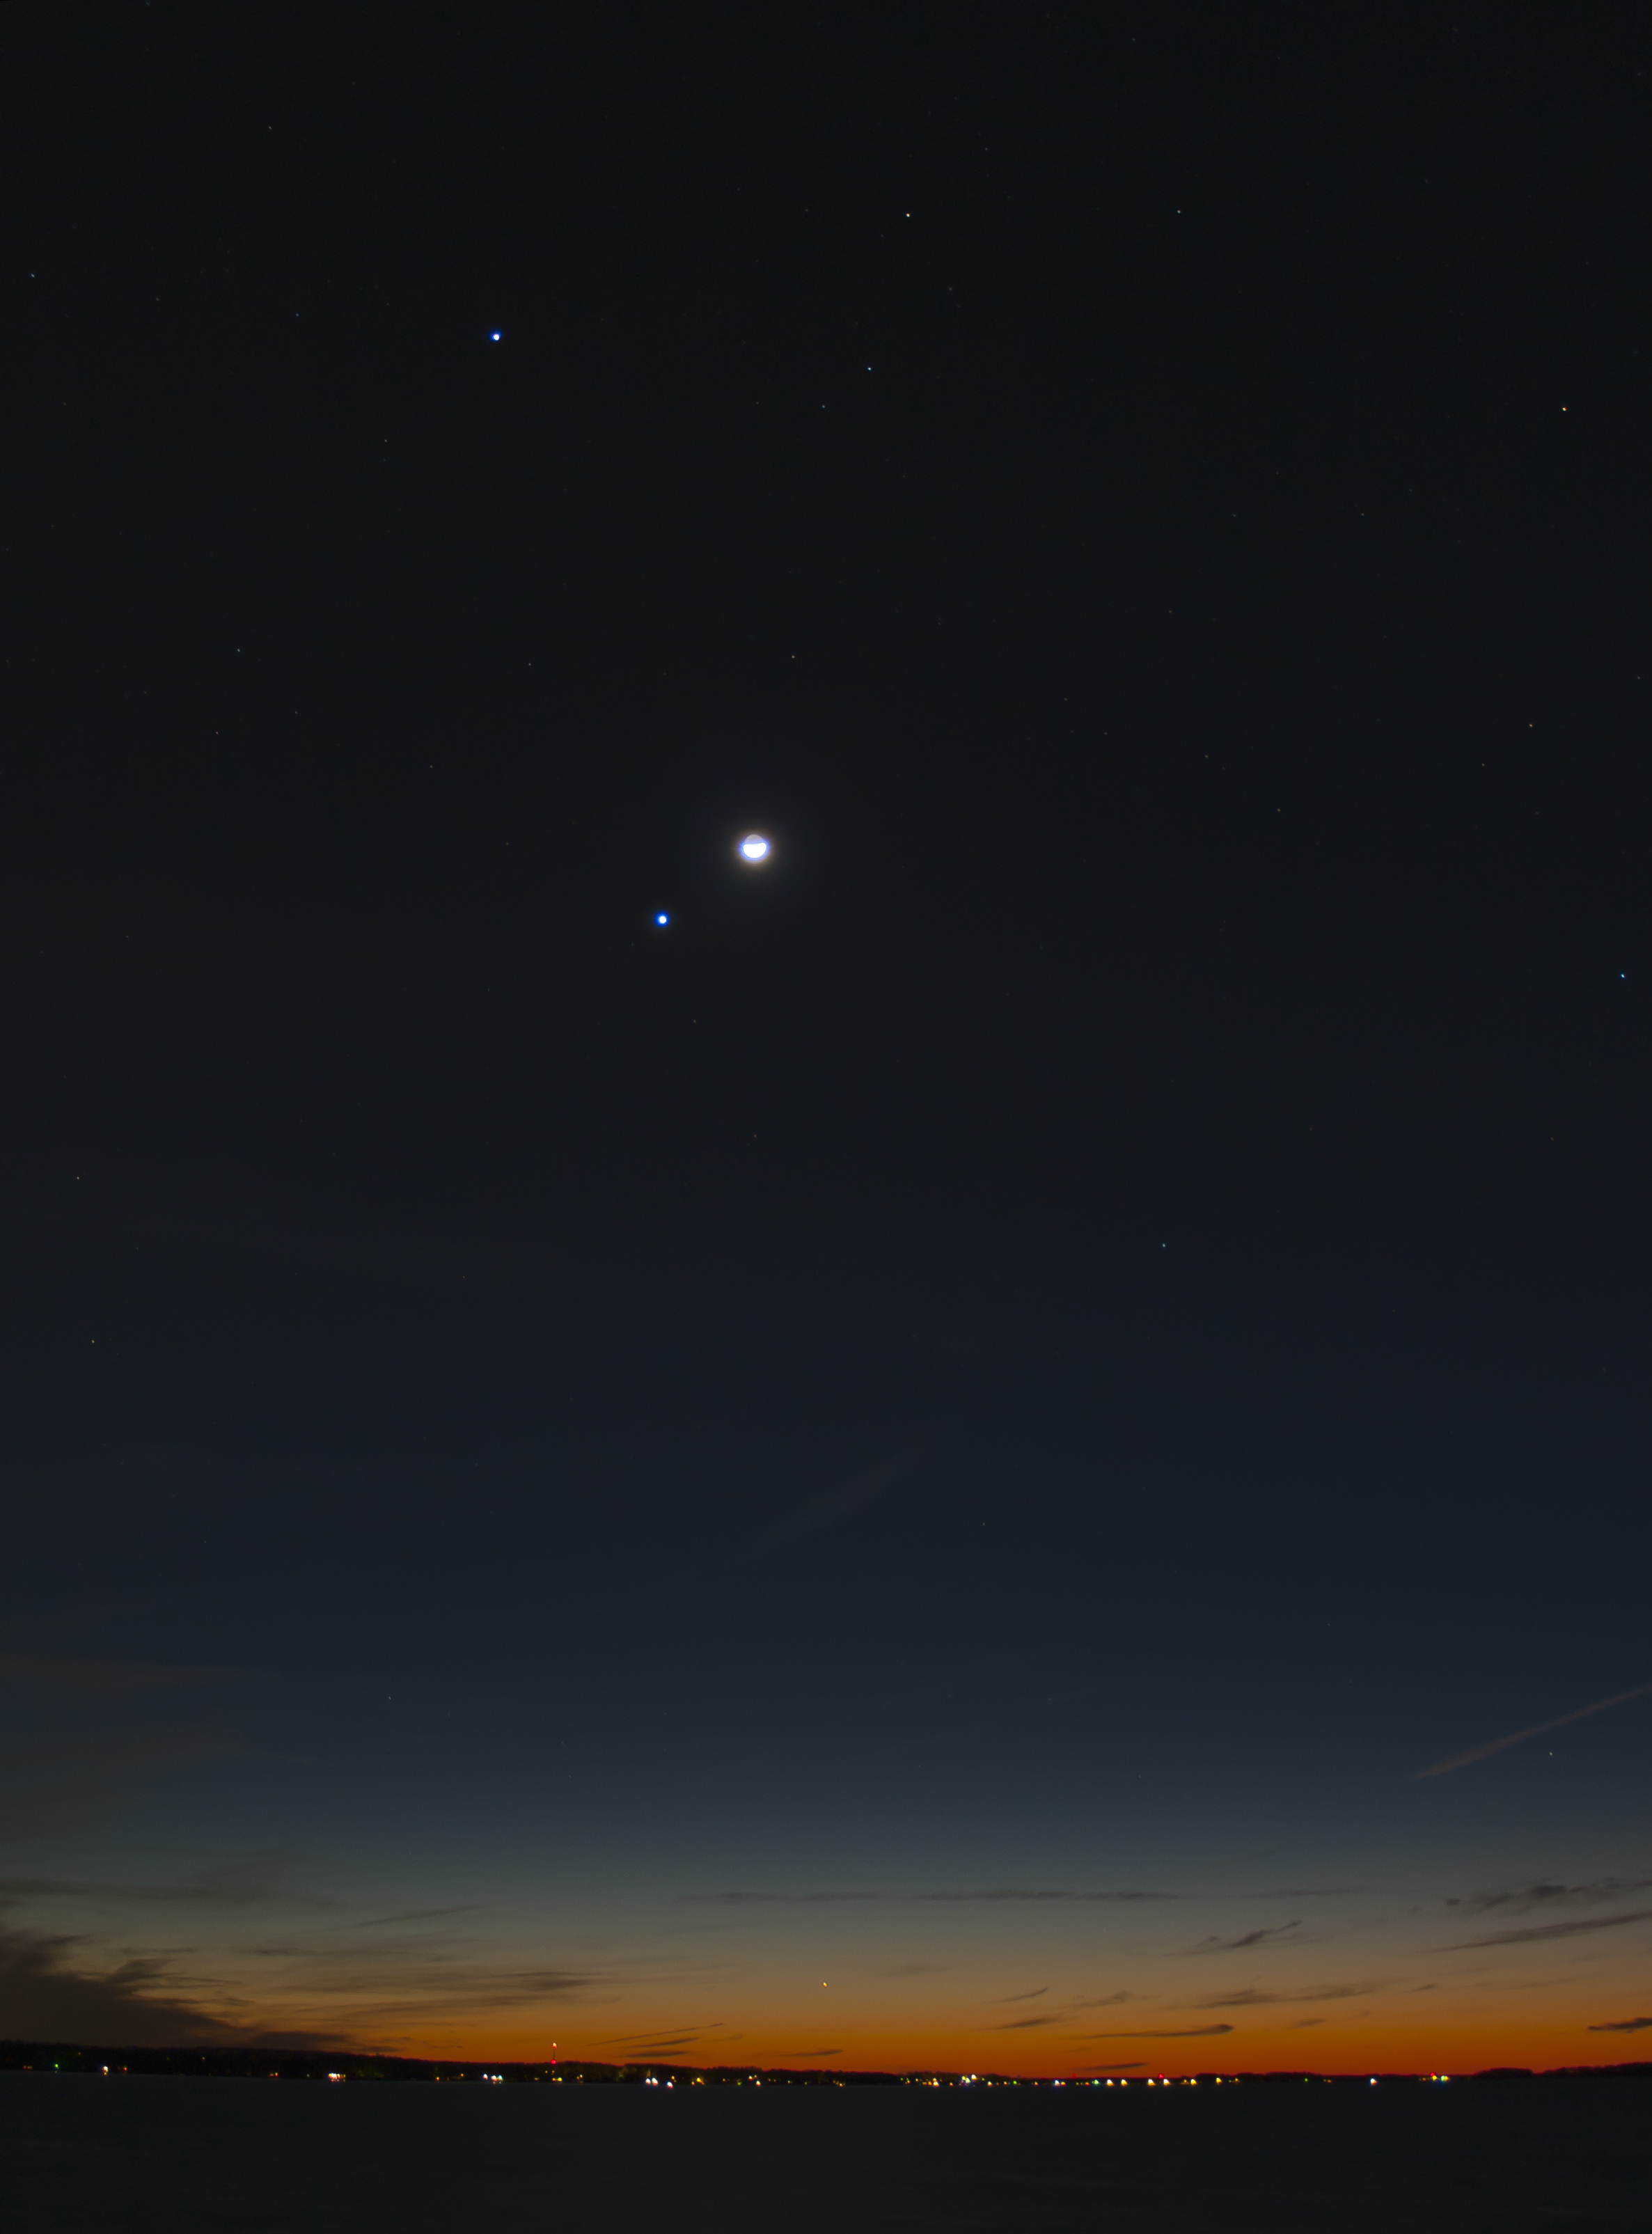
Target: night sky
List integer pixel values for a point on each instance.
(907, 1468)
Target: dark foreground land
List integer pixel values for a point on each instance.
(149, 2155)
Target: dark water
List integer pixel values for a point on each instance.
(127, 2156)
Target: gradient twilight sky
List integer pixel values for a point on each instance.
(911, 1467)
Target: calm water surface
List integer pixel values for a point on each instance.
(171, 2156)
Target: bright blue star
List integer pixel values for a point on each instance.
(661, 920)
(496, 337)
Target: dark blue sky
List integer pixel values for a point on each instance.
(1064, 1339)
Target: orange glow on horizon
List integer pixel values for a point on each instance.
(1462, 2047)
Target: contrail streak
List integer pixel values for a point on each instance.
(1485, 1751)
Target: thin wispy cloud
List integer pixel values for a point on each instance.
(1022, 2024)
(1537, 1730)
(369, 1999)
(683, 2036)
(1523, 1898)
(257, 1881)
(1572, 1930)
(1005, 1893)
(1254, 1997)
(1625, 2024)
(1187, 2032)
(853, 1495)
(414, 1915)
(1269, 1935)
(498, 1990)
(830, 1508)
(787, 1900)
(1005, 1999)
(737, 1896)
(1018, 1892)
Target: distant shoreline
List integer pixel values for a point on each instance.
(340, 2066)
